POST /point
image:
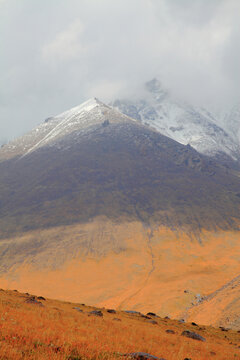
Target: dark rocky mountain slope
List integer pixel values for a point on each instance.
(116, 167)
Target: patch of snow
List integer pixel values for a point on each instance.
(65, 120)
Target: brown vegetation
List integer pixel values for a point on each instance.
(58, 330)
(118, 266)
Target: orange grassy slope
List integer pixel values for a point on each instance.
(120, 266)
(55, 330)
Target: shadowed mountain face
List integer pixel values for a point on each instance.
(119, 169)
(94, 200)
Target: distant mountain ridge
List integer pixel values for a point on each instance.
(183, 122)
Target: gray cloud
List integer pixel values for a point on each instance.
(57, 53)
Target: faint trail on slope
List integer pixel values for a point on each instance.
(149, 245)
(150, 236)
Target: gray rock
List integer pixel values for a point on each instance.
(193, 335)
(142, 356)
(152, 322)
(146, 317)
(78, 309)
(151, 314)
(96, 313)
(223, 328)
(181, 321)
(111, 311)
(132, 312)
(32, 300)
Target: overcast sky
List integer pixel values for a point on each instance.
(57, 53)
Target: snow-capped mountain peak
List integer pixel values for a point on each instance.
(180, 121)
(82, 108)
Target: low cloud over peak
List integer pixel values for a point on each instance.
(57, 54)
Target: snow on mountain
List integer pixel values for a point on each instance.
(87, 114)
(157, 108)
(180, 121)
(230, 121)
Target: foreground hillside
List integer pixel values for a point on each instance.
(37, 328)
(125, 266)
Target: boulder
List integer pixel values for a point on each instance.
(181, 321)
(142, 356)
(96, 313)
(223, 328)
(146, 317)
(152, 322)
(193, 335)
(32, 300)
(78, 309)
(132, 312)
(151, 314)
(111, 311)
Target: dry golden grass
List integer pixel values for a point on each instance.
(115, 273)
(57, 331)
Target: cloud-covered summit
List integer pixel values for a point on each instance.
(57, 54)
